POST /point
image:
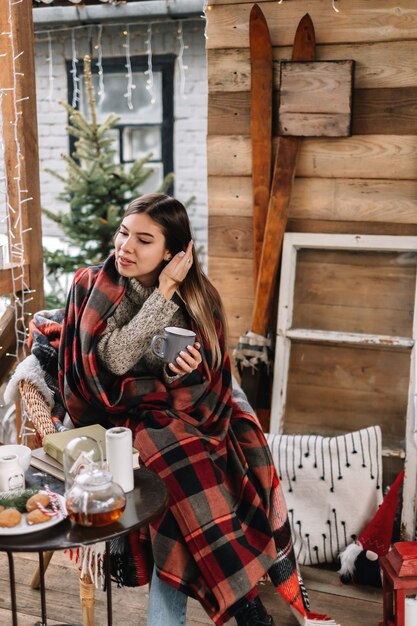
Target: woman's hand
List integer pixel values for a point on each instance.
(174, 273)
(187, 362)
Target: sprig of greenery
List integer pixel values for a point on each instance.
(17, 499)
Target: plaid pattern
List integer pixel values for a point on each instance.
(226, 525)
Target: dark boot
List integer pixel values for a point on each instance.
(253, 613)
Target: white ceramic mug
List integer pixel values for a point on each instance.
(168, 346)
(12, 477)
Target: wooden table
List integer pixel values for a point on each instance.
(147, 500)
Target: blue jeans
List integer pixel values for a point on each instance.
(167, 606)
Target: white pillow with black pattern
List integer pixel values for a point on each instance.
(332, 487)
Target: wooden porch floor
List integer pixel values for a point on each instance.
(350, 606)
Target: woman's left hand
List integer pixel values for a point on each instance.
(175, 272)
(188, 361)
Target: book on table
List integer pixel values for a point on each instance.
(49, 458)
(45, 463)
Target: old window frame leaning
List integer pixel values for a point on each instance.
(286, 333)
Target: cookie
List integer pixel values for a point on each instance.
(10, 518)
(37, 517)
(38, 498)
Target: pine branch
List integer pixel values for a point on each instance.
(17, 499)
(56, 174)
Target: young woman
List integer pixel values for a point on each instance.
(226, 524)
(166, 287)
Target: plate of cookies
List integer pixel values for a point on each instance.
(30, 511)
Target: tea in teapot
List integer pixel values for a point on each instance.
(94, 499)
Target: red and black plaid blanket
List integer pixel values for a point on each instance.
(226, 525)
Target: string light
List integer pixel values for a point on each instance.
(99, 66)
(99, 63)
(73, 71)
(14, 213)
(128, 66)
(149, 71)
(114, 25)
(206, 8)
(127, 45)
(49, 59)
(334, 7)
(182, 67)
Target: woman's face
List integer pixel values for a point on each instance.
(140, 249)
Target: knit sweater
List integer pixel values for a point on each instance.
(142, 313)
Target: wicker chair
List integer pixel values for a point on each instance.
(39, 413)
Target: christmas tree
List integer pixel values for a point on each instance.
(96, 189)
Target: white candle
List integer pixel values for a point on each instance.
(411, 611)
(119, 456)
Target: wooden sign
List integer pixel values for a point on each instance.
(316, 98)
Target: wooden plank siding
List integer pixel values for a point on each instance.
(384, 111)
(362, 184)
(365, 183)
(360, 156)
(357, 21)
(378, 65)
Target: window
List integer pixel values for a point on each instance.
(345, 352)
(145, 128)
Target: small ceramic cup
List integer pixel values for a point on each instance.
(168, 346)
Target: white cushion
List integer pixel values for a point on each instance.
(332, 487)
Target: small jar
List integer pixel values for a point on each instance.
(12, 477)
(94, 499)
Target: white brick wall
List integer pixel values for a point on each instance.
(190, 112)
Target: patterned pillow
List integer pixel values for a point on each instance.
(332, 487)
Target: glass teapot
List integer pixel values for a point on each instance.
(94, 499)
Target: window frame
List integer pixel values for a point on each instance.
(164, 63)
(285, 334)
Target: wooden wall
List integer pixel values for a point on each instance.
(366, 183)
(339, 386)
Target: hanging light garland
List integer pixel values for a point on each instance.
(128, 66)
(73, 71)
(149, 71)
(3, 180)
(206, 8)
(99, 65)
(334, 7)
(182, 68)
(20, 296)
(50, 62)
(127, 46)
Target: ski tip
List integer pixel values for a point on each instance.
(304, 40)
(255, 10)
(306, 19)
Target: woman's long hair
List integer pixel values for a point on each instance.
(200, 297)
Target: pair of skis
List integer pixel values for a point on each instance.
(270, 201)
(270, 205)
